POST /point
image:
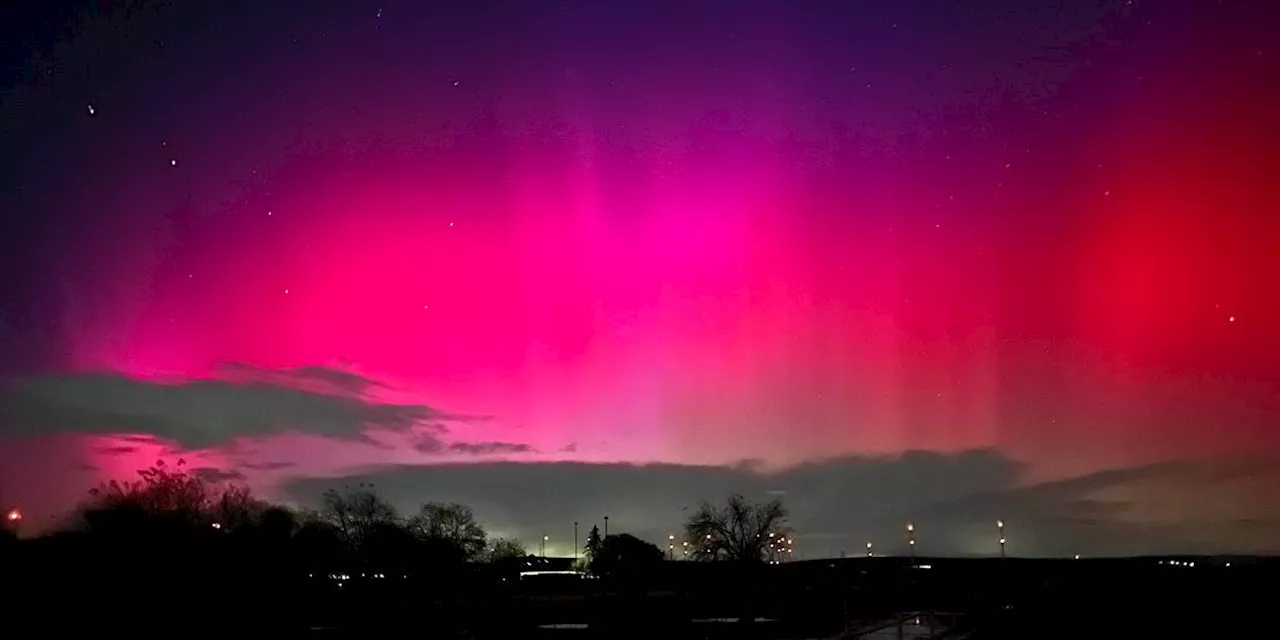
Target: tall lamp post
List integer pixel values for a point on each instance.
(868, 549)
(1000, 528)
(544, 546)
(575, 543)
(911, 540)
(606, 526)
(671, 547)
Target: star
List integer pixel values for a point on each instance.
(1231, 319)
(286, 291)
(173, 163)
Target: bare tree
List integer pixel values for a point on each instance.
(504, 549)
(738, 531)
(236, 508)
(356, 512)
(451, 523)
(162, 493)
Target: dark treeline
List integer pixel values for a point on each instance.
(171, 554)
(173, 549)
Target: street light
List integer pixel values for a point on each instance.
(868, 549)
(606, 526)
(911, 540)
(544, 546)
(1000, 528)
(13, 518)
(671, 547)
(575, 543)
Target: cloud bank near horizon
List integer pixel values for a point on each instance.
(268, 428)
(839, 505)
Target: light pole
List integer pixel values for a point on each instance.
(606, 526)
(685, 544)
(575, 543)
(544, 546)
(868, 549)
(671, 547)
(911, 540)
(1000, 528)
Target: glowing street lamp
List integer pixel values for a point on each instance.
(911, 539)
(671, 547)
(868, 549)
(13, 518)
(544, 546)
(1000, 528)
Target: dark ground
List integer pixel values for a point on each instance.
(48, 593)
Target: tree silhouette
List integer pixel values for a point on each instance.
(277, 523)
(622, 554)
(236, 508)
(388, 547)
(738, 531)
(506, 549)
(319, 547)
(355, 512)
(165, 496)
(449, 524)
(593, 542)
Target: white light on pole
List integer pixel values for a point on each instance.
(911, 541)
(1000, 529)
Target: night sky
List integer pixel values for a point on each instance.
(937, 260)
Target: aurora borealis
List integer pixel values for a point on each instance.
(677, 233)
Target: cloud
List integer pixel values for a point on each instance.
(838, 505)
(114, 449)
(206, 412)
(218, 476)
(489, 448)
(268, 466)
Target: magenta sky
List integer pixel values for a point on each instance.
(713, 255)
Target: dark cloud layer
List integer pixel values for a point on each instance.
(218, 476)
(489, 448)
(204, 413)
(840, 504)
